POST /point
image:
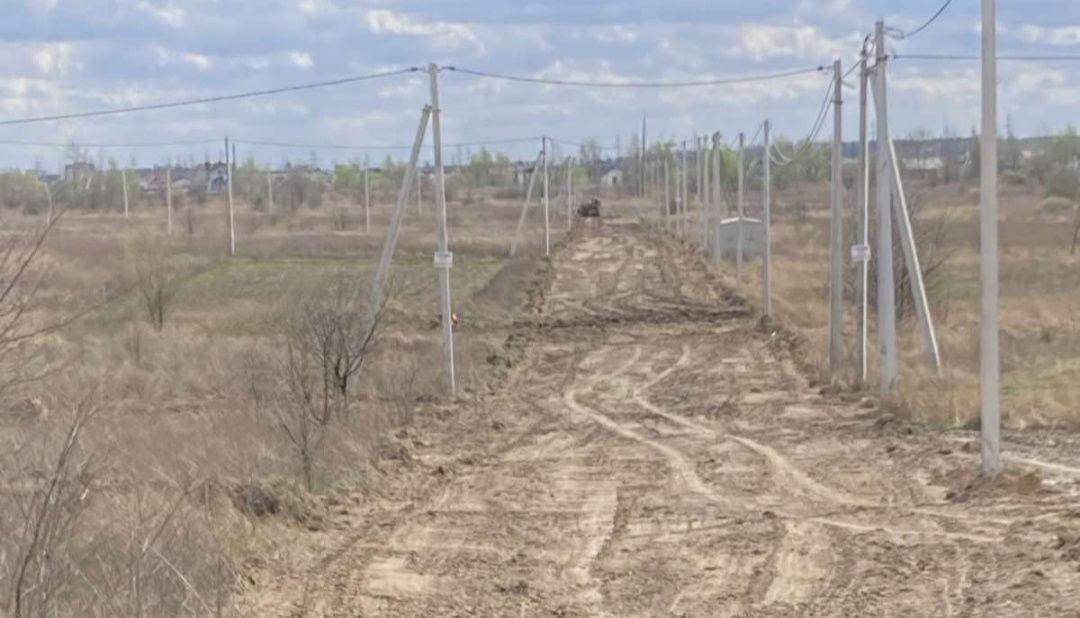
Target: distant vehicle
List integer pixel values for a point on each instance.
(589, 209)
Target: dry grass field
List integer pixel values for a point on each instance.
(191, 424)
(1040, 300)
(181, 427)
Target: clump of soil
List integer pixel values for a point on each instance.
(1008, 483)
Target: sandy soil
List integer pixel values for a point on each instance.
(654, 451)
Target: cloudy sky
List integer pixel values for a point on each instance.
(62, 56)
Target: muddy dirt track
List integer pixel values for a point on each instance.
(655, 452)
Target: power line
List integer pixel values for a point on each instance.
(905, 35)
(1009, 57)
(640, 84)
(520, 140)
(118, 146)
(782, 159)
(217, 99)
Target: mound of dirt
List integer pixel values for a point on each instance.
(1010, 483)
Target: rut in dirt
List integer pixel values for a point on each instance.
(656, 452)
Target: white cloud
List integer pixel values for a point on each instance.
(199, 61)
(1065, 35)
(165, 13)
(949, 85)
(449, 35)
(761, 42)
(44, 5)
(301, 59)
(615, 34)
(56, 59)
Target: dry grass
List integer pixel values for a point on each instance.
(177, 440)
(1040, 304)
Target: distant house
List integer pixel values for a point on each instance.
(209, 178)
(522, 174)
(611, 177)
(924, 167)
(78, 171)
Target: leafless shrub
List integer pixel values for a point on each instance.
(931, 241)
(340, 218)
(151, 259)
(309, 391)
(46, 511)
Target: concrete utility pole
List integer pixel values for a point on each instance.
(717, 188)
(443, 258)
(569, 193)
(836, 244)
(270, 193)
(48, 196)
(547, 204)
(367, 201)
(767, 198)
(667, 194)
(886, 292)
(914, 268)
(739, 224)
(168, 199)
(684, 219)
(861, 253)
(525, 207)
(707, 205)
(232, 216)
(419, 193)
(989, 354)
(382, 273)
(123, 181)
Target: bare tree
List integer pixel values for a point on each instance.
(931, 236)
(326, 349)
(150, 256)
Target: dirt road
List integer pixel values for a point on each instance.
(655, 452)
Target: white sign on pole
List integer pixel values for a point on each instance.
(860, 253)
(444, 259)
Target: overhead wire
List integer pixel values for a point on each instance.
(80, 144)
(1007, 57)
(311, 146)
(639, 84)
(205, 100)
(928, 23)
(781, 159)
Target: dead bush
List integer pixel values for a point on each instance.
(151, 258)
(931, 236)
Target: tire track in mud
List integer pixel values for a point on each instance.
(668, 463)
